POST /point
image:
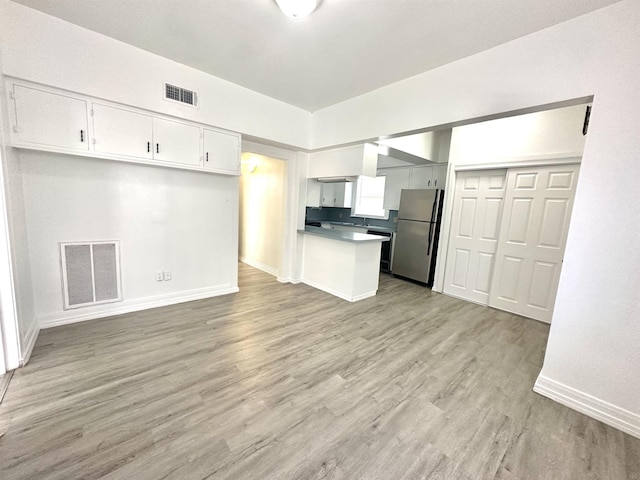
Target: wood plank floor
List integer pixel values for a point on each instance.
(283, 382)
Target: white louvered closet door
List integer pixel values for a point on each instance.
(475, 224)
(533, 234)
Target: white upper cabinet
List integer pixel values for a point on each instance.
(428, 176)
(314, 193)
(397, 179)
(44, 118)
(344, 162)
(122, 132)
(221, 151)
(343, 194)
(336, 194)
(176, 142)
(421, 177)
(328, 194)
(49, 120)
(440, 176)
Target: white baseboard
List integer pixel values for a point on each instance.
(289, 280)
(29, 343)
(260, 266)
(128, 306)
(335, 293)
(593, 407)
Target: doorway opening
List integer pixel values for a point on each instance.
(262, 212)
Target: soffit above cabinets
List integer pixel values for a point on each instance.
(342, 50)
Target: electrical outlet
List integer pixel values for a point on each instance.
(395, 219)
(340, 215)
(159, 276)
(167, 275)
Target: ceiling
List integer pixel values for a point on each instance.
(344, 49)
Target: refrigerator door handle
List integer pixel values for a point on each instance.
(430, 239)
(433, 211)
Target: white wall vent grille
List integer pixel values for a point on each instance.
(90, 273)
(181, 95)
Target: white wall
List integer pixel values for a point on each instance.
(262, 212)
(544, 134)
(165, 219)
(45, 49)
(592, 361)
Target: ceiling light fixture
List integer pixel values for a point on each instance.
(297, 8)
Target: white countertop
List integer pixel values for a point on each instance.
(343, 235)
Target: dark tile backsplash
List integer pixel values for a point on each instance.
(334, 214)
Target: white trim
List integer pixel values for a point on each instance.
(29, 342)
(9, 324)
(294, 281)
(338, 294)
(260, 266)
(593, 407)
(527, 161)
(128, 306)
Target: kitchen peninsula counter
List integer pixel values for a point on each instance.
(344, 264)
(343, 235)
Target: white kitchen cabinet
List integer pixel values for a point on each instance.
(336, 194)
(396, 180)
(44, 118)
(421, 177)
(343, 194)
(176, 142)
(344, 162)
(314, 193)
(428, 176)
(48, 120)
(328, 194)
(440, 176)
(221, 151)
(122, 132)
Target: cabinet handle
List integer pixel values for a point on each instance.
(148, 147)
(435, 183)
(207, 156)
(82, 136)
(157, 148)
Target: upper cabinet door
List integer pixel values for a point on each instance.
(122, 132)
(439, 176)
(221, 151)
(328, 194)
(49, 120)
(176, 142)
(421, 177)
(397, 179)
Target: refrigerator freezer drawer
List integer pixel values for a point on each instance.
(412, 252)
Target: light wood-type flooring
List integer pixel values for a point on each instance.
(283, 381)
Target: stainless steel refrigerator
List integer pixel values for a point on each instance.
(414, 254)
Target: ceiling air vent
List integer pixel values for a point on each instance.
(181, 95)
